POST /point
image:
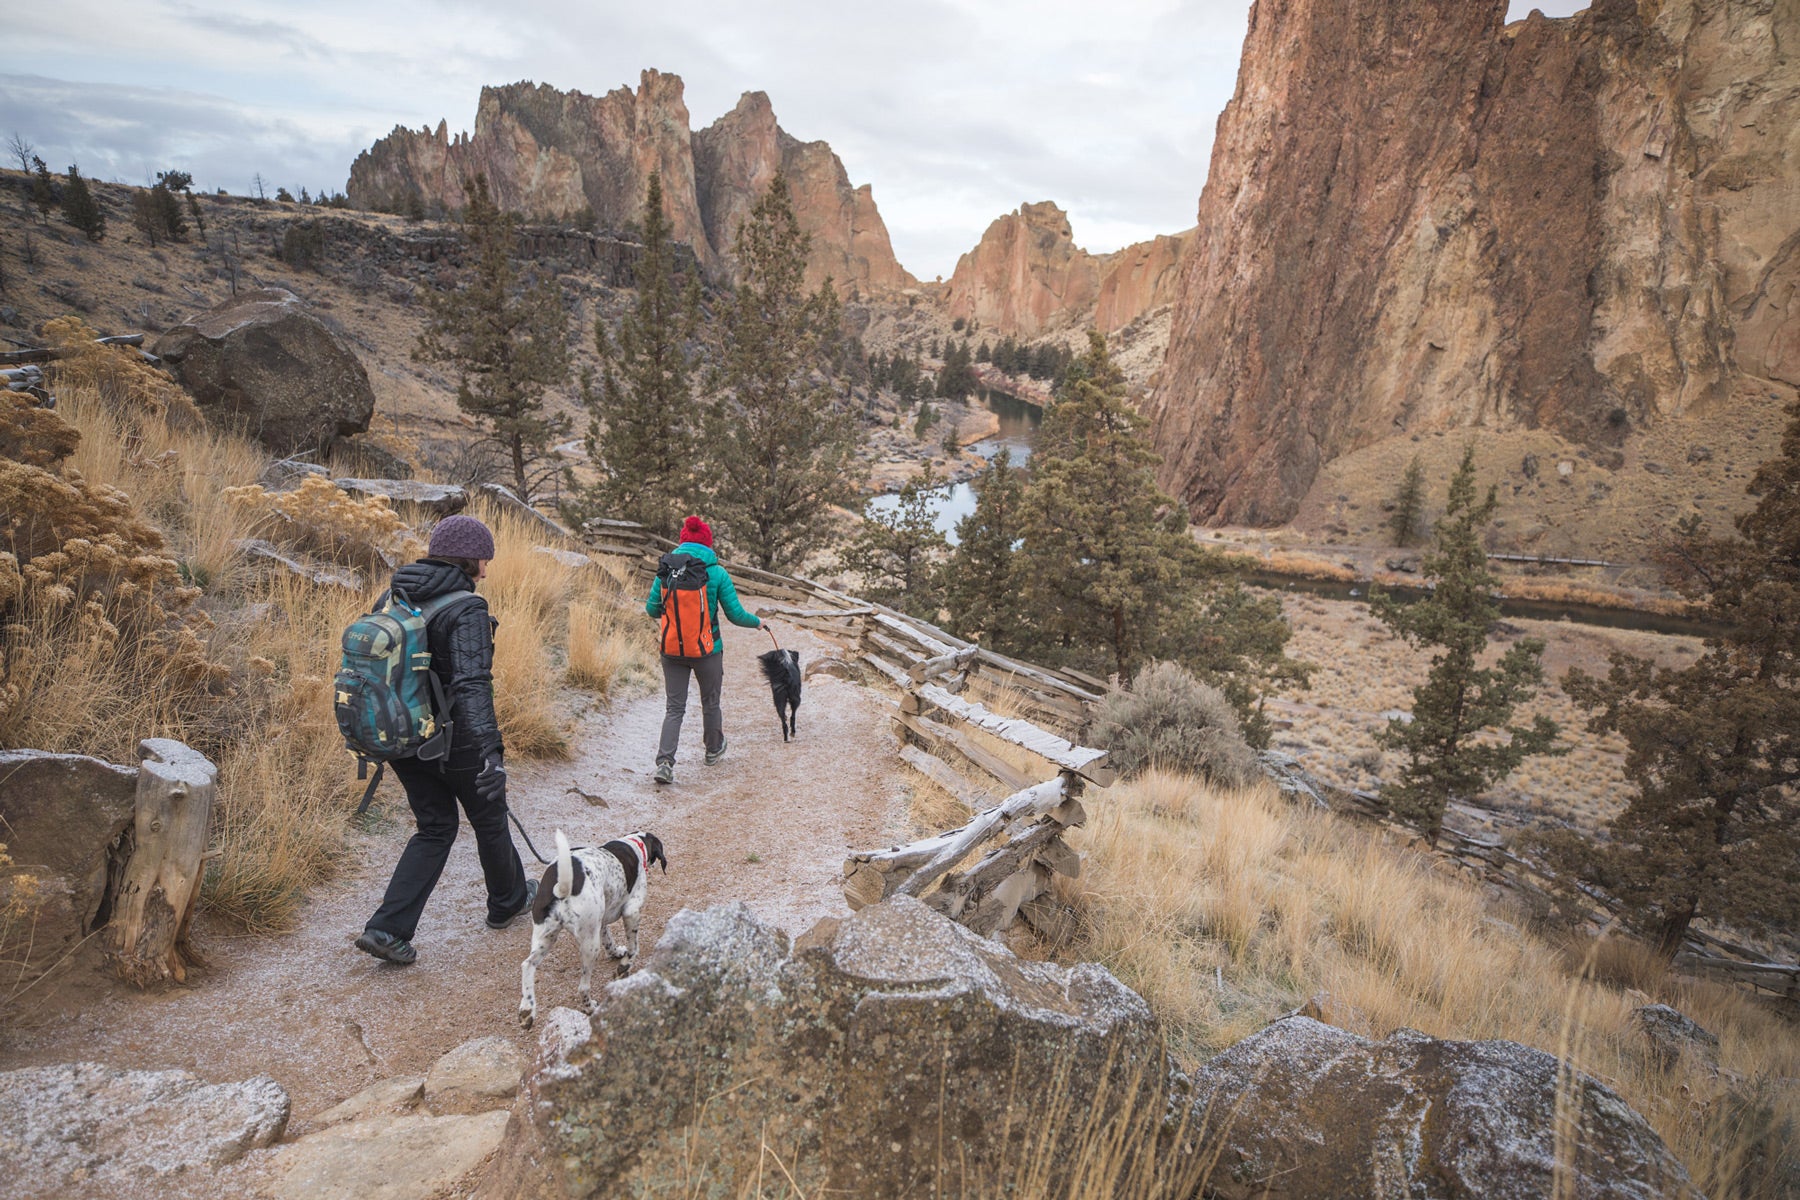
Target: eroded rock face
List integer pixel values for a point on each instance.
(89, 1129)
(262, 364)
(64, 819)
(878, 1048)
(552, 154)
(1420, 218)
(1027, 276)
(477, 1076)
(1316, 1111)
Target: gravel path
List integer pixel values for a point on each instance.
(769, 825)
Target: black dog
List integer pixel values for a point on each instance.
(783, 669)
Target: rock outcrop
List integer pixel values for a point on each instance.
(1027, 276)
(92, 1130)
(264, 365)
(1421, 218)
(65, 820)
(893, 1046)
(554, 154)
(1305, 1109)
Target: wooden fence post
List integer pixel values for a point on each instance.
(148, 937)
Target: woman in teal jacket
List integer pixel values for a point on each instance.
(708, 668)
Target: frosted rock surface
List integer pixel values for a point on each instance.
(94, 1125)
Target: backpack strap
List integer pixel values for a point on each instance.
(447, 606)
(362, 768)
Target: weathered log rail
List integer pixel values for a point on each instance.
(951, 738)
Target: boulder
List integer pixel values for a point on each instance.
(90, 1129)
(893, 1045)
(323, 574)
(479, 1075)
(1303, 1109)
(1673, 1034)
(382, 1096)
(285, 474)
(405, 1157)
(65, 820)
(263, 364)
(507, 500)
(411, 498)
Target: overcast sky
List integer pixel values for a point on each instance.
(955, 110)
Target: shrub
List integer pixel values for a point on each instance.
(1172, 721)
(321, 518)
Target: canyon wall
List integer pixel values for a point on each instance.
(552, 154)
(1027, 276)
(1420, 218)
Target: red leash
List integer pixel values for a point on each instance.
(771, 633)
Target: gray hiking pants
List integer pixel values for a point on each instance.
(710, 671)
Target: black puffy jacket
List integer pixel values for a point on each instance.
(462, 651)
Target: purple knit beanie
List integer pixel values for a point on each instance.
(461, 537)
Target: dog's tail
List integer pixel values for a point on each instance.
(565, 868)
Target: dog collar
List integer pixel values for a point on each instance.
(637, 843)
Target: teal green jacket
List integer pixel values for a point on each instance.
(719, 591)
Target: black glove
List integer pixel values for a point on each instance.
(490, 785)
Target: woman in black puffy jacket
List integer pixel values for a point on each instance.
(473, 773)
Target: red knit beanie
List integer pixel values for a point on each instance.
(695, 530)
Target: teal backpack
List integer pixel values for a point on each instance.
(389, 702)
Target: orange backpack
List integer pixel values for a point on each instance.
(687, 630)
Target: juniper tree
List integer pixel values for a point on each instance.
(1711, 828)
(507, 340)
(981, 592)
(80, 209)
(779, 442)
(43, 189)
(1445, 756)
(898, 551)
(1409, 504)
(641, 435)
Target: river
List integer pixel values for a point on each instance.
(1019, 423)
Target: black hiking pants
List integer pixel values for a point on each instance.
(434, 789)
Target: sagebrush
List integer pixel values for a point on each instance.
(1171, 720)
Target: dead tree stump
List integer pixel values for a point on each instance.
(148, 937)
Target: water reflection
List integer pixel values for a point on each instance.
(1019, 423)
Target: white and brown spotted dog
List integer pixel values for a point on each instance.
(586, 889)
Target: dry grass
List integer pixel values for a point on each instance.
(265, 716)
(1225, 909)
(1363, 671)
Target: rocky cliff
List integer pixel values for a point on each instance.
(554, 154)
(1027, 276)
(1420, 218)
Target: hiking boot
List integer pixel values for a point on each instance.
(665, 772)
(530, 895)
(713, 756)
(385, 945)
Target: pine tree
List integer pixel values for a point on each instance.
(1409, 504)
(641, 430)
(43, 189)
(1711, 828)
(957, 379)
(1458, 699)
(981, 590)
(779, 443)
(80, 209)
(1106, 555)
(507, 340)
(898, 551)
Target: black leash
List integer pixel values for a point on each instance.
(526, 836)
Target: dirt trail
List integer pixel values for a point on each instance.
(769, 825)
